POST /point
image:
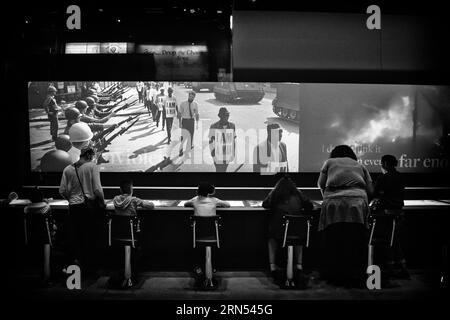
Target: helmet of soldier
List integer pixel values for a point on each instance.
(81, 105)
(62, 142)
(90, 101)
(55, 161)
(72, 113)
(51, 89)
(80, 132)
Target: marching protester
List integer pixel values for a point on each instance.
(271, 154)
(188, 115)
(170, 110)
(222, 141)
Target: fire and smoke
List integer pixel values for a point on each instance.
(390, 124)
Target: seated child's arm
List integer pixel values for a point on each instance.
(222, 204)
(189, 203)
(147, 204)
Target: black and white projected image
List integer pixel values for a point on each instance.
(411, 122)
(148, 126)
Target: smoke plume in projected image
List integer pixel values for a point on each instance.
(396, 121)
(406, 121)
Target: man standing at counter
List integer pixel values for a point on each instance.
(81, 186)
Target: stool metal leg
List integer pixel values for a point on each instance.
(285, 233)
(393, 232)
(48, 232)
(47, 261)
(372, 231)
(109, 232)
(25, 231)
(370, 255)
(208, 264)
(127, 272)
(132, 233)
(290, 263)
(307, 233)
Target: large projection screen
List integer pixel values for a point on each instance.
(141, 143)
(271, 127)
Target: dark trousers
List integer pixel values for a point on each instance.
(141, 96)
(169, 123)
(158, 117)
(85, 233)
(149, 107)
(53, 126)
(154, 110)
(188, 126)
(221, 167)
(345, 252)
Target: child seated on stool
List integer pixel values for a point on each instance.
(284, 199)
(205, 205)
(389, 194)
(125, 204)
(40, 207)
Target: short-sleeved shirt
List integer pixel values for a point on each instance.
(205, 206)
(90, 178)
(345, 178)
(50, 105)
(184, 110)
(151, 94)
(171, 107)
(222, 137)
(160, 100)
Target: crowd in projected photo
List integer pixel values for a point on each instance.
(150, 126)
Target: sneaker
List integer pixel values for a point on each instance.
(198, 271)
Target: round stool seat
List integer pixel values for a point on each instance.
(124, 241)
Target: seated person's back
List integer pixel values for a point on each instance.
(204, 204)
(389, 188)
(125, 204)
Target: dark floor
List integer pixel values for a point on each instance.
(253, 285)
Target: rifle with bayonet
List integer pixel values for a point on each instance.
(110, 89)
(100, 146)
(126, 105)
(101, 135)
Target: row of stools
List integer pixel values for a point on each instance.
(123, 230)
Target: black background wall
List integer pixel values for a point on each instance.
(33, 51)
